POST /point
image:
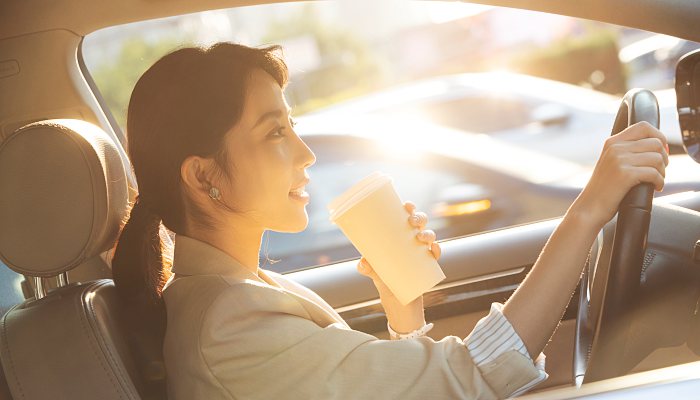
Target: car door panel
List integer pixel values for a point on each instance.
(466, 258)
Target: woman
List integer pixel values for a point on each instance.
(218, 162)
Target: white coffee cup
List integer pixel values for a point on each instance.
(373, 217)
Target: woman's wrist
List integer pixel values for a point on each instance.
(405, 326)
(421, 331)
(404, 318)
(585, 214)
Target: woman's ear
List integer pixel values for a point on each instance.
(196, 174)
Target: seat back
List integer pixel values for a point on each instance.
(63, 196)
(10, 294)
(68, 345)
(4, 388)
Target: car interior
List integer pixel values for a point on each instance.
(66, 184)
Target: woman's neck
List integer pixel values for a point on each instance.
(237, 240)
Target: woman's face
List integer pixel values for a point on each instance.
(268, 161)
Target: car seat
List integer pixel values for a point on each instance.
(63, 198)
(12, 292)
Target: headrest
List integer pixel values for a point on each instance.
(63, 195)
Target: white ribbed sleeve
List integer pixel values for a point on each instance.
(492, 336)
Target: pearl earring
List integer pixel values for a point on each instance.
(214, 193)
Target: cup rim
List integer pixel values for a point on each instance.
(356, 193)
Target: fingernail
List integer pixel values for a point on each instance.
(426, 235)
(419, 218)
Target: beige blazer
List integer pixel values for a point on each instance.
(234, 335)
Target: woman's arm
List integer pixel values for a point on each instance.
(256, 342)
(538, 304)
(637, 154)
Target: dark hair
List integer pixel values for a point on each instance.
(183, 105)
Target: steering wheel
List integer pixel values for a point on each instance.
(611, 279)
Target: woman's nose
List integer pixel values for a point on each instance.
(307, 157)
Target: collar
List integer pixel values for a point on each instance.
(195, 257)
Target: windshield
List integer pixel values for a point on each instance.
(521, 103)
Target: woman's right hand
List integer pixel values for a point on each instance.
(637, 154)
(409, 317)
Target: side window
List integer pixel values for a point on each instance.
(530, 97)
(10, 288)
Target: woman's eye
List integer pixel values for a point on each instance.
(277, 133)
(292, 122)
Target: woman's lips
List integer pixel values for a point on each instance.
(299, 194)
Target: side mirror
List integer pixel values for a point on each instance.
(688, 102)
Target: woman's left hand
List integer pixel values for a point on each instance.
(404, 319)
(638, 154)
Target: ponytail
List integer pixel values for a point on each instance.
(140, 270)
(138, 267)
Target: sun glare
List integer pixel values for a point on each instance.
(440, 12)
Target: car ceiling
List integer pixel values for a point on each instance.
(18, 17)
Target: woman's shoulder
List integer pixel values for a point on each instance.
(213, 284)
(225, 295)
(294, 286)
(303, 291)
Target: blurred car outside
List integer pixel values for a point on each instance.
(651, 61)
(542, 115)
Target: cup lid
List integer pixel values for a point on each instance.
(356, 193)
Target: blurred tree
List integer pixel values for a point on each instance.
(116, 78)
(589, 60)
(348, 67)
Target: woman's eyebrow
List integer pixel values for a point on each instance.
(270, 114)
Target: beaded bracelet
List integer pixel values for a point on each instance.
(410, 335)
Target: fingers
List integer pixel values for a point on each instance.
(418, 220)
(645, 146)
(426, 236)
(365, 269)
(362, 267)
(436, 250)
(654, 160)
(639, 154)
(648, 174)
(640, 130)
(639, 160)
(409, 206)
